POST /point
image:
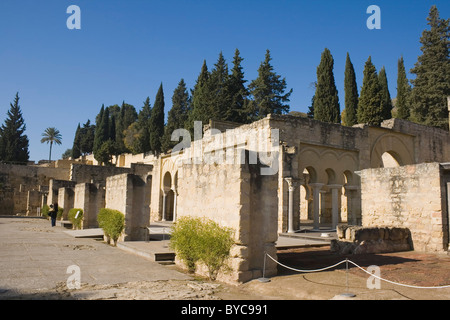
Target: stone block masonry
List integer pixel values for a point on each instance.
(412, 197)
(359, 240)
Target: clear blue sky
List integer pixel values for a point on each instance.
(126, 48)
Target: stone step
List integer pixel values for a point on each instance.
(154, 250)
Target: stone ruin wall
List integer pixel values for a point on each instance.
(234, 196)
(22, 187)
(414, 197)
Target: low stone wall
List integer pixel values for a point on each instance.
(412, 197)
(359, 240)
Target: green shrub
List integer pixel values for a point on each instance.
(76, 217)
(202, 240)
(112, 222)
(44, 210)
(60, 213)
(184, 240)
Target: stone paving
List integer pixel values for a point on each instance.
(34, 258)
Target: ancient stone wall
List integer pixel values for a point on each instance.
(413, 197)
(16, 181)
(239, 197)
(130, 194)
(91, 198)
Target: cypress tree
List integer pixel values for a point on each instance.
(219, 96)
(268, 92)
(101, 129)
(403, 91)
(370, 108)
(385, 95)
(237, 91)
(13, 142)
(200, 96)
(76, 148)
(177, 115)
(432, 83)
(127, 116)
(351, 94)
(157, 121)
(326, 100)
(143, 126)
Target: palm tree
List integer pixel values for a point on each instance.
(51, 135)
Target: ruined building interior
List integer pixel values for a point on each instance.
(261, 179)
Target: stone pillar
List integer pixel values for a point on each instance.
(322, 207)
(334, 204)
(164, 206)
(175, 205)
(292, 183)
(350, 192)
(316, 203)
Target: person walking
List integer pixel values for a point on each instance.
(53, 213)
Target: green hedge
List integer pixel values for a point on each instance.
(202, 240)
(76, 219)
(112, 222)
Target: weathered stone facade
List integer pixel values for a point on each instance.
(413, 196)
(264, 178)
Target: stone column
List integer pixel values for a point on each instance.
(164, 206)
(292, 183)
(351, 212)
(322, 206)
(334, 204)
(316, 201)
(175, 194)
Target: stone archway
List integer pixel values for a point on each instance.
(391, 150)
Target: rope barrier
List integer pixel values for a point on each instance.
(361, 268)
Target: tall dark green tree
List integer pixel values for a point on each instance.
(370, 108)
(177, 116)
(76, 147)
(13, 140)
(385, 95)
(157, 121)
(101, 130)
(143, 126)
(87, 138)
(432, 69)
(238, 93)
(200, 110)
(125, 118)
(403, 91)
(268, 91)
(220, 99)
(326, 100)
(351, 94)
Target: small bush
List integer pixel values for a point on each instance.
(76, 217)
(44, 210)
(112, 222)
(202, 240)
(60, 213)
(184, 240)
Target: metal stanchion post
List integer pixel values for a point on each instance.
(264, 279)
(347, 294)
